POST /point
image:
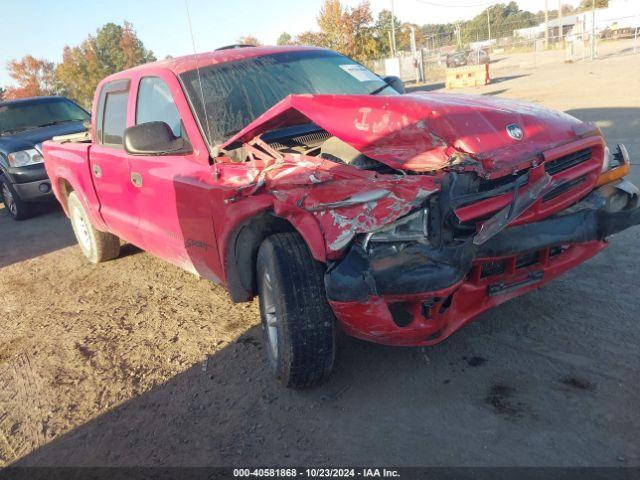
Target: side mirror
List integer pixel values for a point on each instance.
(153, 138)
(396, 83)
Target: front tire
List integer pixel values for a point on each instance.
(297, 321)
(97, 246)
(16, 207)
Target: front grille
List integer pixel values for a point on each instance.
(562, 188)
(571, 160)
(486, 185)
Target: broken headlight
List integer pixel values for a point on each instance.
(411, 227)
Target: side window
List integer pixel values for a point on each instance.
(115, 117)
(155, 104)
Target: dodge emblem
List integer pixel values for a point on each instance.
(515, 131)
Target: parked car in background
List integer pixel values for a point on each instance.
(24, 125)
(478, 57)
(297, 175)
(458, 59)
(468, 57)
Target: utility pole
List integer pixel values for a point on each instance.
(393, 31)
(593, 29)
(560, 22)
(546, 24)
(489, 27)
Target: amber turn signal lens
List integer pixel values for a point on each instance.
(614, 174)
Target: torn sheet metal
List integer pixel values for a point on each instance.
(425, 132)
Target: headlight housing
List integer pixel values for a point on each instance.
(25, 157)
(606, 164)
(411, 227)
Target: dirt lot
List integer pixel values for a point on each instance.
(135, 362)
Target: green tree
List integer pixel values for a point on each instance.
(383, 31)
(284, 39)
(504, 18)
(2, 92)
(112, 49)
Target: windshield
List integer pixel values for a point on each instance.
(16, 117)
(235, 93)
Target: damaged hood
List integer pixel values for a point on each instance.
(427, 131)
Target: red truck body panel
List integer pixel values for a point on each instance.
(190, 208)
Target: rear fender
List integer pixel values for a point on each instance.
(68, 169)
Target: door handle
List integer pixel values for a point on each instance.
(97, 171)
(136, 179)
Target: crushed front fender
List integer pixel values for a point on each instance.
(413, 288)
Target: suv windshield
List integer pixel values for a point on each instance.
(19, 116)
(235, 93)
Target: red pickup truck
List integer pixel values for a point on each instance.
(297, 175)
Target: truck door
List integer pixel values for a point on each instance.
(109, 164)
(174, 201)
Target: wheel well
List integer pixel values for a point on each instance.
(242, 252)
(65, 191)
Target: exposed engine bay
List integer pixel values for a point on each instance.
(313, 141)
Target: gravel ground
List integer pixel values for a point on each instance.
(135, 362)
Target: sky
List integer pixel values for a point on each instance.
(43, 27)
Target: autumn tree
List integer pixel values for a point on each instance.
(588, 4)
(309, 38)
(348, 30)
(249, 40)
(34, 77)
(284, 39)
(112, 49)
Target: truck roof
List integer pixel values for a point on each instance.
(186, 63)
(32, 100)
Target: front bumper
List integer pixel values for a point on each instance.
(40, 190)
(30, 182)
(421, 295)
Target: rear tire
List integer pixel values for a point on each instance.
(15, 206)
(97, 246)
(297, 321)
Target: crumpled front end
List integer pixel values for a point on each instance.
(429, 210)
(418, 292)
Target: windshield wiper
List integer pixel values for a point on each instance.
(56, 122)
(379, 89)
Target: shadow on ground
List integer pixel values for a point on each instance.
(47, 231)
(555, 384)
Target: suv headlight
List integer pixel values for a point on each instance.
(412, 227)
(25, 157)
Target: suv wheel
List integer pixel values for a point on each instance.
(97, 246)
(18, 209)
(297, 321)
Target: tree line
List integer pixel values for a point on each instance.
(356, 33)
(113, 48)
(352, 31)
